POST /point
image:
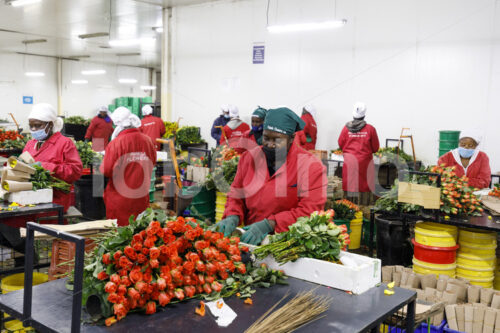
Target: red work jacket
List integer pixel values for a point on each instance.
(154, 128)
(478, 171)
(128, 163)
(232, 135)
(245, 142)
(310, 130)
(99, 132)
(297, 189)
(358, 170)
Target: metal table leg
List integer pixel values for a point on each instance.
(410, 317)
(60, 215)
(372, 227)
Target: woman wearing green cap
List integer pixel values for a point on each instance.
(275, 184)
(253, 137)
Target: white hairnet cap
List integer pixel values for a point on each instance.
(233, 111)
(311, 109)
(224, 108)
(124, 118)
(359, 110)
(46, 112)
(473, 134)
(102, 109)
(147, 110)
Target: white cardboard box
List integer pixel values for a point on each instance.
(354, 279)
(31, 197)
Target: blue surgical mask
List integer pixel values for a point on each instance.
(39, 135)
(466, 153)
(257, 128)
(226, 116)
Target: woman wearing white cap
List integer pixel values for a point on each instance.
(128, 163)
(220, 121)
(468, 160)
(234, 129)
(152, 126)
(100, 129)
(307, 137)
(358, 141)
(57, 153)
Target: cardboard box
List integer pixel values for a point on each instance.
(196, 174)
(31, 197)
(423, 195)
(354, 279)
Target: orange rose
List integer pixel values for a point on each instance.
(150, 308)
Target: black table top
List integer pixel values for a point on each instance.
(26, 210)
(478, 222)
(348, 313)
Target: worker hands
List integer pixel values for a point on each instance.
(228, 225)
(255, 233)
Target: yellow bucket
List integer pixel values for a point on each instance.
(486, 282)
(486, 251)
(355, 235)
(435, 234)
(421, 267)
(467, 259)
(477, 237)
(475, 273)
(16, 282)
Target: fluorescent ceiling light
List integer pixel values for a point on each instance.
(94, 72)
(19, 3)
(79, 81)
(34, 41)
(34, 74)
(148, 87)
(158, 29)
(127, 81)
(306, 26)
(93, 35)
(129, 42)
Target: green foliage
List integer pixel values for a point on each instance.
(189, 135)
(43, 179)
(390, 152)
(87, 155)
(77, 120)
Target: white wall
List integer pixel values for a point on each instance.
(85, 99)
(14, 84)
(424, 64)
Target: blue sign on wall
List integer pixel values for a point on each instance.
(258, 54)
(27, 99)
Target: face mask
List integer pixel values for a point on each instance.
(226, 116)
(466, 153)
(273, 155)
(39, 135)
(257, 128)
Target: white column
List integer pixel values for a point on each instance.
(59, 87)
(166, 66)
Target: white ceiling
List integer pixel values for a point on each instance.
(61, 21)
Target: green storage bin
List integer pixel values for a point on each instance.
(111, 107)
(449, 135)
(448, 144)
(121, 101)
(202, 206)
(147, 99)
(365, 238)
(443, 151)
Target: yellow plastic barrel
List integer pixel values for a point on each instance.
(477, 237)
(16, 282)
(475, 272)
(467, 259)
(421, 267)
(483, 282)
(220, 205)
(355, 235)
(486, 251)
(435, 234)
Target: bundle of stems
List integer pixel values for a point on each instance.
(304, 308)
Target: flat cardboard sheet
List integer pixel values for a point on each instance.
(492, 203)
(423, 195)
(82, 229)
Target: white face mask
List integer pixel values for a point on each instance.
(40, 134)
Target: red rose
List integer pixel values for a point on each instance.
(244, 249)
(133, 294)
(163, 299)
(191, 256)
(155, 295)
(135, 276)
(124, 262)
(123, 272)
(210, 268)
(102, 276)
(141, 302)
(221, 257)
(141, 258)
(229, 265)
(242, 269)
(209, 279)
(110, 287)
(216, 286)
(122, 290)
(207, 235)
(145, 251)
(179, 294)
(207, 289)
(154, 253)
(176, 274)
(137, 247)
(199, 289)
(233, 250)
(115, 278)
(130, 253)
(189, 291)
(141, 287)
(188, 267)
(150, 308)
(126, 281)
(147, 277)
(224, 275)
(162, 284)
(137, 238)
(120, 311)
(154, 263)
(200, 266)
(235, 258)
(234, 240)
(106, 259)
(132, 303)
(113, 298)
(150, 242)
(117, 255)
(201, 279)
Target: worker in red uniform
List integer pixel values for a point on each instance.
(275, 184)
(100, 129)
(468, 160)
(128, 163)
(307, 137)
(234, 129)
(253, 137)
(152, 126)
(358, 140)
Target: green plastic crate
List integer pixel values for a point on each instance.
(111, 107)
(147, 99)
(449, 135)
